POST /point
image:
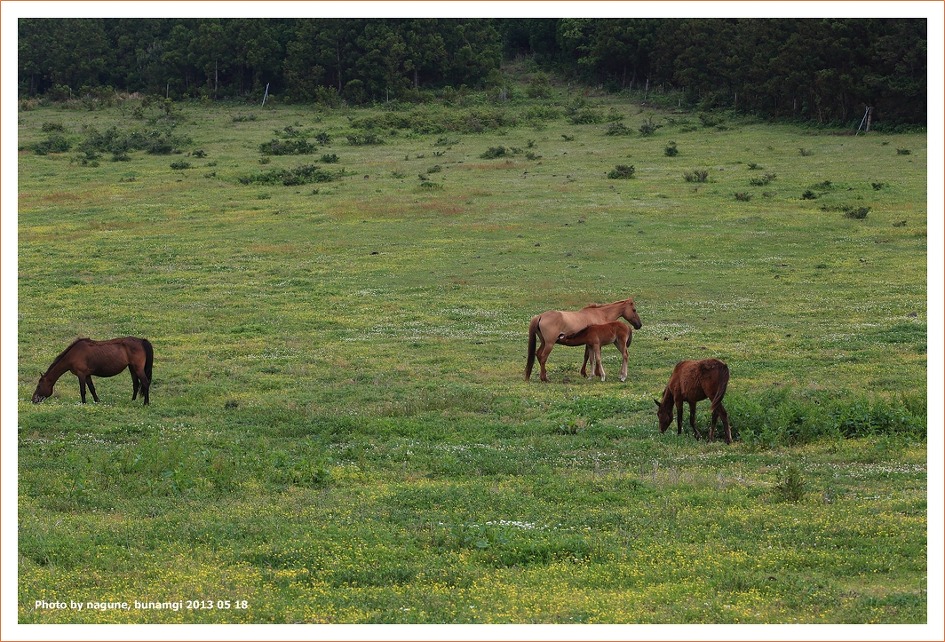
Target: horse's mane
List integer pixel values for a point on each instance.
(601, 305)
(64, 352)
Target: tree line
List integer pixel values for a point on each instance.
(825, 70)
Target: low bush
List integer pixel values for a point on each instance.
(277, 147)
(649, 128)
(857, 213)
(359, 140)
(621, 171)
(697, 176)
(791, 486)
(56, 143)
(302, 175)
(761, 181)
(782, 416)
(495, 152)
(618, 129)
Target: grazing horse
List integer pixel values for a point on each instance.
(694, 381)
(548, 326)
(593, 337)
(85, 358)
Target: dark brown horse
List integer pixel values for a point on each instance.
(85, 358)
(548, 326)
(694, 381)
(593, 337)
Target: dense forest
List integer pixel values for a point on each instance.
(823, 70)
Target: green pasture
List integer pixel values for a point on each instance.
(340, 429)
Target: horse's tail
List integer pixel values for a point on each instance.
(532, 343)
(723, 386)
(148, 357)
(629, 336)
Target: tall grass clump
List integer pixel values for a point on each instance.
(301, 175)
(783, 417)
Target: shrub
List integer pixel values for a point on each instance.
(805, 152)
(761, 181)
(617, 129)
(537, 114)
(495, 152)
(857, 213)
(697, 176)
(299, 176)
(329, 158)
(180, 165)
(276, 147)
(54, 144)
(649, 128)
(585, 117)
(621, 172)
(710, 120)
(364, 139)
(808, 195)
(790, 486)
(903, 152)
(539, 86)
(781, 416)
(742, 196)
(671, 150)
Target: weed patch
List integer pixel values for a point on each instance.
(301, 175)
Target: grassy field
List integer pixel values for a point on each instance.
(340, 429)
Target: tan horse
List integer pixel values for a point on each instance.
(85, 358)
(694, 381)
(548, 326)
(593, 337)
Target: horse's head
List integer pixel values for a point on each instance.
(664, 415)
(630, 314)
(43, 389)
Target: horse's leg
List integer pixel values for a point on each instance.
(135, 383)
(692, 419)
(626, 357)
(543, 353)
(678, 416)
(92, 388)
(587, 357)
(145, 385)
(81, 387)
(723, 414)
(715, 418)
(600, 363)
